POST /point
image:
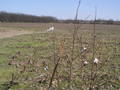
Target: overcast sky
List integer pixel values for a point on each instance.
(64, 9)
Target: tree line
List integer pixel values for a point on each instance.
(98, 21)
(15, 17)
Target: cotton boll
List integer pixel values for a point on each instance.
(83, 49)
(96, 61)
(46, 68)
(85, 62)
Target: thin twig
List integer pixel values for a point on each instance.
(73, 42)
(53, 74)
(93, 53)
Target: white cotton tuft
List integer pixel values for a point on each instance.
(96, 61)
(85, 48)
(85, 62)
(46, 68)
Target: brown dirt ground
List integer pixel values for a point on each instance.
(12, 33)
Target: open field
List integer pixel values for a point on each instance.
(29, 54)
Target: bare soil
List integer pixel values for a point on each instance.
(12, 33)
